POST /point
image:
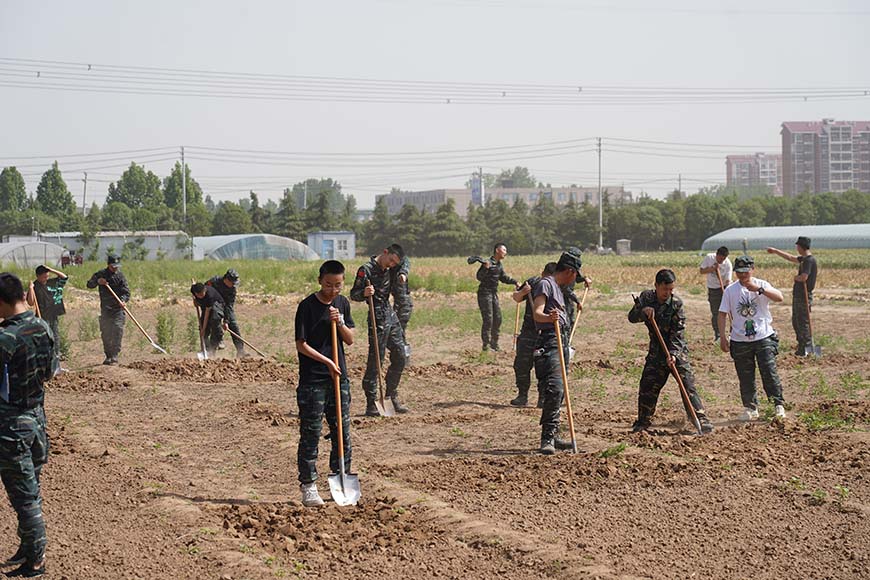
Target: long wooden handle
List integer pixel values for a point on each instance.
(576, 318)
(252, 347)
(673, 368)
(565, 385)
(133, 318)
(517, 326)
(375, 340)
(32, 291)
(719, 276)
(337, 384)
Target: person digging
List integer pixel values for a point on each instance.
(113, 289)
(227, 285)
(660, 305)
(211, 318)
(549, 307)
(524, 358)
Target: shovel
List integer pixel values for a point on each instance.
(810, 349)
(344, 487)
(565, 384)
(136, 322)
(35, 301)
(576, 318)
(384, 405)
(248, 344)
(517, 326)
(202, 354)
(672, 365)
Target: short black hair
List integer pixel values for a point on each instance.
(11, 289)
(497, 246)
(40, 270)
(197, 288)
(397, 250)
(665, 276)
(722, 251)
(550, 268)
(331, 267)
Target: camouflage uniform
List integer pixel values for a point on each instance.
(390, 334)
(548, 366)
(316, 399)
(112, 315)
(229, 295)
(49, 297)
(214, 330)
(524, 359)
(26, 362)
(800, 319)
(402, 303)
(671, 320)
(487, 300)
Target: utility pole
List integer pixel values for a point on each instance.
(680, 184)
(183, 190)
(482, 187)
(85, 194)
(305, 195)
(600, 202)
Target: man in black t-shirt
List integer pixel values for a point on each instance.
(211, 315)
(805, 279)
(315, 394)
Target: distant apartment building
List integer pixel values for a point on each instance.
(755, 170)
(430, 200)
(826, 155)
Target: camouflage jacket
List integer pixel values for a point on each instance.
(371, 272)
(671, 320)
(26, 361)
(117, 282)
(490, 277)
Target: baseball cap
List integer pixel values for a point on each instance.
(571, 258)
(744, 264)
(113, 260)
(232, 275)
(803, 242)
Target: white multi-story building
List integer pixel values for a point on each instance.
(827, 155)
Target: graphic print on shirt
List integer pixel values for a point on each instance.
(747, 308)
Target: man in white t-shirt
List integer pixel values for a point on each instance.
(751, 338)
(716, 284)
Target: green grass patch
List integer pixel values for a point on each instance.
(613, 451)
(826, 420)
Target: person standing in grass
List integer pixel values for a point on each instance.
(49, 297)
(661, 305)
(490, 273)
(315, 394)
(752, 339)
(112, 315)
(712, 262)
(805, 279)
(373, 280)
(27, 360)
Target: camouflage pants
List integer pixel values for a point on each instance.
(745, 355)
(233, 324)
(800, 318)
(54, 325)
(490, 311)
(403, 305)
(714, 297)
(214, 330)
(390, 337)
(316, 399)
(23, 452)
(112, 330)
(548, 370)
(655, 375)
(524, 361)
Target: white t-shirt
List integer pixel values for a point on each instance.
(724, 270)
(750, 312)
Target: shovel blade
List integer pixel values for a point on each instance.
(385, 407)
(158, 347)
(344, 488)
(202, 355)
(812, 350)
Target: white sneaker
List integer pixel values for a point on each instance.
(310, 497)
(749, 414)
(779, 412)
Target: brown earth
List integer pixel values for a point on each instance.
(169, 467)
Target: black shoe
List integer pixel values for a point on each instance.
(640, 426)
(27, 570)
(485, 348)
(113, 361)
(18, 558)
(706, 425)
(547, 446)
(562, 444)
(520, 401)
(399, 407)
(495, 348)
(108, 361)
(372, 409)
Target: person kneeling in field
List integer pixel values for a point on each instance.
(752, 338)
(211, 315)
(667, 310)
(549, 307)
(315, 394)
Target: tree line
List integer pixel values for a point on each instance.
(139, 200)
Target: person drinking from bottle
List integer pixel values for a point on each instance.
(667, 310)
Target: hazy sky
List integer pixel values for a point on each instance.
(665, 43)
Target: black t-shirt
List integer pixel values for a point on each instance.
(313, 326)
(809, 267)
(211, 297)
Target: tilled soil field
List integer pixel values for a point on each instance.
(170, 467)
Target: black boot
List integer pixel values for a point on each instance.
(27, 570)
(548, 446)
(522, 399)
(371, 408)
(640, 425)
(706, 424)
(19, 557)
(398, 406)
(562, 444)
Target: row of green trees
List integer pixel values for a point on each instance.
(140, 200)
